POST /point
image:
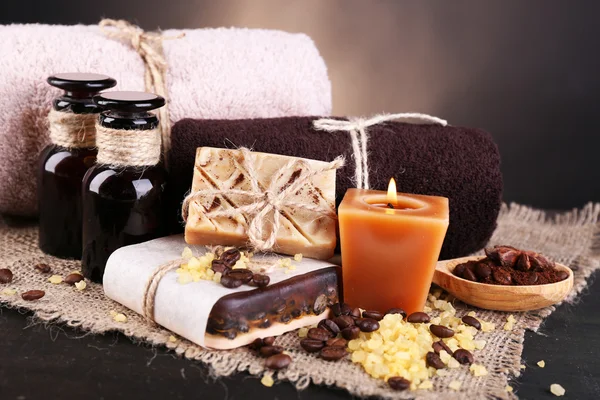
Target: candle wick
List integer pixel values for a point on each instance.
(390, 205)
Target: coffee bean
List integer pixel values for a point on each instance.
(337, 342)
(459, 270)
(329, 325)
(320, 304)
(376, 315)
(72, 279)
(265, 324)
(244, 275)
(562, 275)
(312, 345)
(502, 277)
(367, 324)
(43, 268)
(268, 351)
(524, 263)
(482, 270)
(396, 311)
(469, 275)
(219, 266)
(33, 295)
(230, 334)
(355, 313)
(333, 353)
(341, 309)
(257, 344)
(285, 318)
(344, 321)
(230, 257)
(526, 278)
(259, 280)
(296, 313)
(278, 361)
(418, 318)
(439, 346)
(463, 356)
(441, 331)
(318, 334)
(230, 282)
(6, 275)
(433, 360)
(472, 321)
(279, 306)
(398, 383)
(350, 332)
(269, 340)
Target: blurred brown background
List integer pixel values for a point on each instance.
(527, 71)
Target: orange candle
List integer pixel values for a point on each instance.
(390, 245)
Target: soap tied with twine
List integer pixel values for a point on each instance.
(266, 201)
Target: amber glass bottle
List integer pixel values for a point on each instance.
(123, 200)
(64, 162)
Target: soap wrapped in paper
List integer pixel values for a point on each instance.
(212, 315)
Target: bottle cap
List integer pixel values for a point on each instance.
(81, 82)
(129, 102)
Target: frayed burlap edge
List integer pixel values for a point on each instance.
(572, 238)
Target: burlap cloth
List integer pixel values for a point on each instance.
(571, 238)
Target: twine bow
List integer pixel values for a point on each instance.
(275, 199)
(357, 127)
(149, 46)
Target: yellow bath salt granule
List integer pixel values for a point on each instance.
(118, 317)
(508, 388)
(81, 285)
(55, 279)
(302, 332)
(478, 370)
(8, 292)
(298, 257)
(267, 380)
(172, 339)
(522, 366)
(455, 385)
(487, 326)
(557, 390)
(187, 253)
(425, 385)
(541, 363)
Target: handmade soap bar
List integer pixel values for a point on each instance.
(214, 316)
(389, 255)
(231, 181)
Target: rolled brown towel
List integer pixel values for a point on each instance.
(462, 164)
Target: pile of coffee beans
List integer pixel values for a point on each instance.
(275, 358)
(233, 278)
(506, 265)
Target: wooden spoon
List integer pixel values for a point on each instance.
(500, 297)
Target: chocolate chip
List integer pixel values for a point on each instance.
(268, 351)
(463, 356)
(31, 295)
(472, 321)
(396, 311)
(344, 321)
(469, 275)
(278, 361)
(43, 268)
(230, 282)
(333, 353)
(502, 277)
(230, 257)
(72, 279)
(398, 383)
(439, 346)
(259, 280)
(418, 318)
(312, 345)
(320, 304)
(337, 342)
(441, 331)
(269, 340)
(318, 334)
(6, 275)
(219, 266)
(350, 332)
(433, 360)
(244, 275)
(329, 325)
(482, 270)
(367, 324)
(376, 315)
(355, 313)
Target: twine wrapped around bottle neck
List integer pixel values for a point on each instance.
(149, 46)
(72, 130)
(357, 128)
(124, 148)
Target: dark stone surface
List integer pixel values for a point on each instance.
(48, 362)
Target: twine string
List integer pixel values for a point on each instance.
(149, 45)
(275, 199)
(72, 130)
(123, 148)
(359, 136)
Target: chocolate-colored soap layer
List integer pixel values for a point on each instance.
(462, 164)
(281, 303)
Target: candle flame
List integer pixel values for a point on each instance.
(392, 196)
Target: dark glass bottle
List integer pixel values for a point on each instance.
(122, 204)
(62, 167)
